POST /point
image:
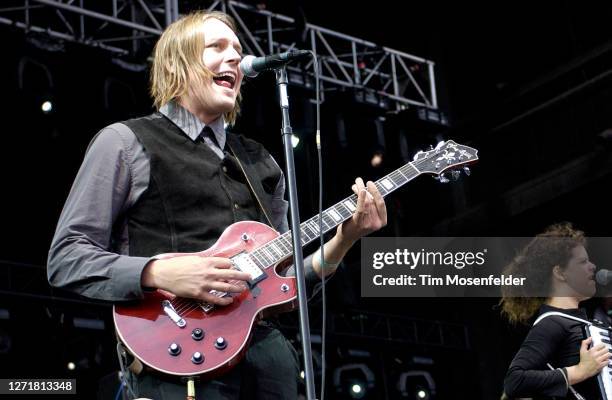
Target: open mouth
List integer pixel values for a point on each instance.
(225, 79)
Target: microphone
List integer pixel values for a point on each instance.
(603, 276)
(251, 66)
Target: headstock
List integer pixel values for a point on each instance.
(446, 156)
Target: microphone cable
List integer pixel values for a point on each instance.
(321, 235)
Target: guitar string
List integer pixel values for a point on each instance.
(185, 305)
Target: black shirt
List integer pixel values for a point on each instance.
(555, 340)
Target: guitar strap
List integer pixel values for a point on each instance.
(237, 150)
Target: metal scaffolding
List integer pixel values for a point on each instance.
(380, 76)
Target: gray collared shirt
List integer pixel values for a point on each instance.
(89, 251)
(193, 127)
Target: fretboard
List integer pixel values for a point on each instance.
(281, 247)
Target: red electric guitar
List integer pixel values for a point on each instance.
(185, 337)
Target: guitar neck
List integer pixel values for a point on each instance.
(280, 248)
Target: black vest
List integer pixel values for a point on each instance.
(193, 195)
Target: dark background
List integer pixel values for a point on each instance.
(528, 84)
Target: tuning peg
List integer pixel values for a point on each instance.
(467, 171)
(417, 155)
(442, 178)
(455, 174)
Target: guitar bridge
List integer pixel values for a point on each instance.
(207, 307)
(241, 262)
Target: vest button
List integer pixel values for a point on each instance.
(236, 206)
(224, 168)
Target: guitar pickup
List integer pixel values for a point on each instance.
(243, 262)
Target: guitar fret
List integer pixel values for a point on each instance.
(327, 224)
(268, 253)
(255, 255)
(314, 227)
(275, 250)
(334, 214)
(388, 183)
(257, 261)
(383, 190)
(415, 168)
(401, 177)
(343, 210)
(283, 245)
(304, 233)
(287, 241)
(349, 205)
(307, 226)
(397, 178)
(315, 223)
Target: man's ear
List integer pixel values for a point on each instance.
(558, 273)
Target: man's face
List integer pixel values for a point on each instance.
(222, 55)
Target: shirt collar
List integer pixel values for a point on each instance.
(190, 124)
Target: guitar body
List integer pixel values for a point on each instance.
(148, 331)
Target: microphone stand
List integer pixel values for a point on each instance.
(298, 260)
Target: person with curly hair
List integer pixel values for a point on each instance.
(554, 356)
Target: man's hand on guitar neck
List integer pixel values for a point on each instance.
(370, 215)
(194, 277)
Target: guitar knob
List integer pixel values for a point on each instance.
(467, 171)
(197, 334)
(455, 174)
(174, 349)
(197, 358)
(220, 343)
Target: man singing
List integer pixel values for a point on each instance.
(172, 182)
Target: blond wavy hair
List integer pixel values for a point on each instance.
(177, 60)
(536, 262)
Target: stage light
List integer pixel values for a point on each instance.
(357, 390)
(46, 107)
(71, 366)
(377, 159)
(295, 141)
(416, 385)
(422, 394)
(354, 380)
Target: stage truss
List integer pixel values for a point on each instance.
(379, 75)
